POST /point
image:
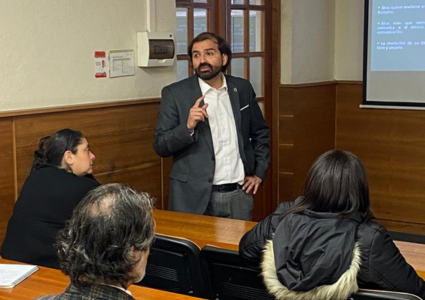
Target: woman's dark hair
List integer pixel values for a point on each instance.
(107, 227)
(336, 183)
(52, 148)
(223, 46)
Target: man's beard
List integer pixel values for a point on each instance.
(207, 75)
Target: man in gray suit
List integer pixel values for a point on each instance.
(213, 127)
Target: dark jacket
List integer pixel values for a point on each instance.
(94, 291)
(193, 168)
(45, 203)
(313, 255)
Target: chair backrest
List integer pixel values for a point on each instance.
(364, 294)
(174, 266)
(407, 237)
(227, 277)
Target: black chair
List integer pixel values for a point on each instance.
(226, 276)
(230, 279)
(364, 294)
(407, 237)
(174, 266)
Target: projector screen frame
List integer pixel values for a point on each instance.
(403, 105)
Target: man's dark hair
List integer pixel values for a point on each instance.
(223, 46)
(336, 183)
(107, 227)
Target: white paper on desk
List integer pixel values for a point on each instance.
(11, 274)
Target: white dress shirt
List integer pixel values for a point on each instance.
(228, 163)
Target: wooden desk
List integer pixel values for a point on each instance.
(414, 255)
(48, 281)
(203, 230)
(226, 233)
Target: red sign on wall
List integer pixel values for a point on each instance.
(99, 64)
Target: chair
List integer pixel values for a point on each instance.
(364, 294)
(174, 266)
(407, 237)
(228, 278)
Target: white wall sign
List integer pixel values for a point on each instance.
(121, 63)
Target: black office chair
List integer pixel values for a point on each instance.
(364, 294)
(230, 279)
(227, 277)
(407, 237)
(174, 266)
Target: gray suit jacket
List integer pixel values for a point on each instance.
(194, 161)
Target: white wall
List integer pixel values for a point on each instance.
(349, 39)
(321, 40)
(286, 42)
(47, 49)
(308, 37)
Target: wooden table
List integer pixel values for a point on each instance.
(48, 281)
(203, 230)
(226, 233)
(414, 255)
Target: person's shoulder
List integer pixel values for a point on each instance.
(71, 292)
(80, 184)
(52, 297)
(89, 179)
(44, 172)
(102, 291)
(53, 172)
(62, 176)
(369, 231)
(372, 227)
(182, 83)
(237, 80)
(283, 206)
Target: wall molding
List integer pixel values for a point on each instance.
(320, 83)
(56, 109)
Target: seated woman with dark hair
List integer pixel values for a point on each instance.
(60, 178)
(325, 245)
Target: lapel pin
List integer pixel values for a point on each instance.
(235, 89)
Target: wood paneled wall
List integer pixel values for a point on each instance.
(391, 144)
(306, 130)
(7, 179)
(119, 134)
(314, 118)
